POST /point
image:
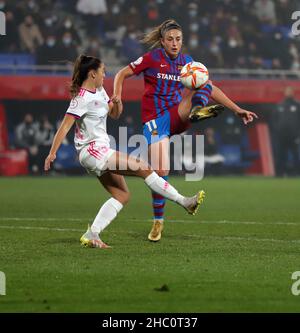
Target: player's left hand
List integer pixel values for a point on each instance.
(115, 99)
(247, 116)
(50, 158)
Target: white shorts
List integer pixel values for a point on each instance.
(94, 157)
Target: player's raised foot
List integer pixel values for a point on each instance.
(194, 202)
(199, 113)
(157, 228)
(92, 239)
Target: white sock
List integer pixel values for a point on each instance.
(107, 213)
(162, 187)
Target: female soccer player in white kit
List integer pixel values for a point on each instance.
(88, 109)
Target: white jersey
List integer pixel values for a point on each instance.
(90, 110)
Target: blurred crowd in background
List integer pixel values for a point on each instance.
(227, 149)
(222, 33)
(233, 34)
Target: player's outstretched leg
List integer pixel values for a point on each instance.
(199, 113)
(193, 203)
(135, 167)
(159, 185)
(193, 106)
(199, 110)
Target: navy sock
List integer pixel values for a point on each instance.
(158, 204)
(201, 97)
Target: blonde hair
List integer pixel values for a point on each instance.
(153, 38)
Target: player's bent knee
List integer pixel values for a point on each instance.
(162, 173)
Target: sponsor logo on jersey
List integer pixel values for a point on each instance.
(168, 77)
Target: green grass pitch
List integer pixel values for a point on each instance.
(236, 255)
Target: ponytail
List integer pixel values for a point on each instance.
(83, 64)
(153, 38)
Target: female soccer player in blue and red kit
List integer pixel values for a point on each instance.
(166, 106)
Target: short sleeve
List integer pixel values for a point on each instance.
(77, 107)
(141, 64)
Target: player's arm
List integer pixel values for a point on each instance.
(61, 133)
(123, 74)
(115, 107)
(218, 95)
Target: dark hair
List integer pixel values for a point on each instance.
(83, 64)
(153, 37)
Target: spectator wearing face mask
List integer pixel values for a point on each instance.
(234, 46)
(68, 26)
(94, 48)
(67, 48)
(30, 35)
(49, 24)
(48, 53)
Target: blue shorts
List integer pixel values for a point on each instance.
(170, 122)
(157, 129)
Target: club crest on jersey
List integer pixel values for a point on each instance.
(179, 67)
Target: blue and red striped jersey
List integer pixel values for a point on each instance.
(163, 89)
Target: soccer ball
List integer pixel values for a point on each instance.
(194, 75)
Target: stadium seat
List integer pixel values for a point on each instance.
(6, 59)
(248, 154)
(24, 60)
(17, 59)
(233, 156)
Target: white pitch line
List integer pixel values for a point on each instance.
(229, 238)
(38, 228)
(47, 219)
(43, 219)
(237, 238)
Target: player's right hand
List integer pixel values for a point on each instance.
(49, 159)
